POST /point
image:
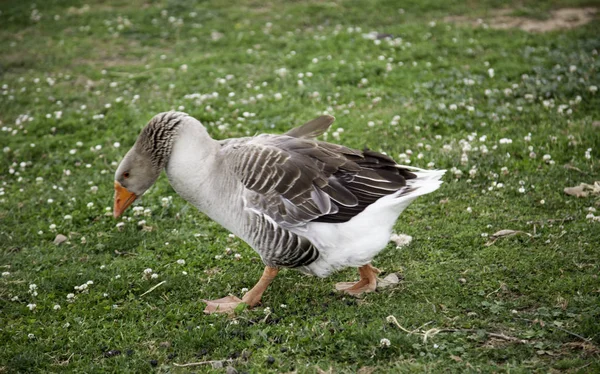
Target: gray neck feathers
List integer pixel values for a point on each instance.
(156, 139)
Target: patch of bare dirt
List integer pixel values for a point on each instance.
(560, 19)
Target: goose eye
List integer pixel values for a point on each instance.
(126, 175)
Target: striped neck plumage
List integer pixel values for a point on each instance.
(157, 138)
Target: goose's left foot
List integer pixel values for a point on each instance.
(367, 282)
(229, 303)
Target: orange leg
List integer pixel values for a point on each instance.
(252, 298)
(367, 282)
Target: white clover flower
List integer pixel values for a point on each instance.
(5, 273)
(505, 141)
(52, 227)
(491, 72)
(154, 276)
(147, 271)
(244, 290)
(68, 217)
(31, 306)
(120, 225)
(384, 343)
(593, 89)
(90, 205)
(522, 189)
(93, 189)
(181, 261)
(31, 336)
(542, 201)
(469, 210)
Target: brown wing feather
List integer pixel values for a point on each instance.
(298, 180)
(312, 129)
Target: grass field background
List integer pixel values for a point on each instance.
(513, 116)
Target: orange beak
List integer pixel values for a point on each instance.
(123, 199)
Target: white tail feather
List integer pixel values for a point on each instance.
(356, 242)
(426, 182)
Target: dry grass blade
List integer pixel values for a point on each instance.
(153, 288)
(214, 363)
(571, 167)
(503, 234)
(426, 334)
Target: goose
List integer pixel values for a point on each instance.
(300, 203)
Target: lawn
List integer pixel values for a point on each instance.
(513, 116)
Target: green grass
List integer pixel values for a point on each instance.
(541, 289)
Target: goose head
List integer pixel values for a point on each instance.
(142, 165)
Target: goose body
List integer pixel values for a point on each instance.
(298, 202)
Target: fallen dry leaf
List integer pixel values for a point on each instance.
(390, 280)
(584, 190)
(502, 233)
(401, 240)
(60, 238)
